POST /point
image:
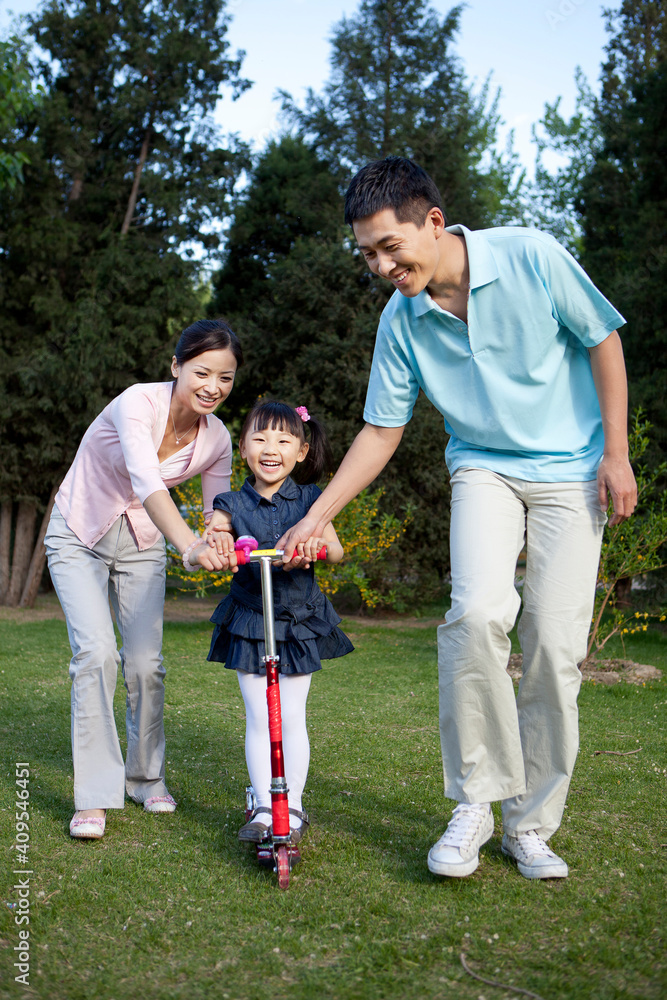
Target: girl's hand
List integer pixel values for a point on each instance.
(221, 539)
(306, 553)
(219, 524)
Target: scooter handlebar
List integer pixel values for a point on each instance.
(245, 555)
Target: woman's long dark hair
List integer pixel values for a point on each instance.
(207, 335)
(270, 413)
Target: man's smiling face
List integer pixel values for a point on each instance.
(405, 254)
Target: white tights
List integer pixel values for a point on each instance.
(296, 747)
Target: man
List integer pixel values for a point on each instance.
(512, 342)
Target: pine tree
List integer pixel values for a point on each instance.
(398, 87)
(623, 198)
(608, 202)
(125, 173)
(553, 197)
(292, 193)
(293, 284)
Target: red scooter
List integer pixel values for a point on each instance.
(277, 849)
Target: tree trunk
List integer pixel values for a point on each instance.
(387, 144)
(24, 536)
(76, 188)
(134, 193)
(36, 567)
(623, 592)
(5, 547)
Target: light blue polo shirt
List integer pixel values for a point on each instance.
(515, 384)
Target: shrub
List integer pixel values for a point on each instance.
(634, 548)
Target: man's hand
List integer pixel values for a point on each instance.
(306, 553)
(615, 476)
(370, 451)
(303, 538)
(616, 479)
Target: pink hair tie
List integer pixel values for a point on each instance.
(303, 413)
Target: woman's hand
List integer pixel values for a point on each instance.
(211, 559)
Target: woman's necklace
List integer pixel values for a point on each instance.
(179, 439)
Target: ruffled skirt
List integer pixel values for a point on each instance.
(304, 635)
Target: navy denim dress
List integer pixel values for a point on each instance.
(306, 624)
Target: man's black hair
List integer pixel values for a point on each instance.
(396, 183)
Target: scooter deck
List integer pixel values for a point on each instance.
(264, 850)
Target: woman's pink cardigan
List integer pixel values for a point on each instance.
(117, 467)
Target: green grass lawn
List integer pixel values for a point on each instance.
(173, 906)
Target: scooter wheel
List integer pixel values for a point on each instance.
(282, 866)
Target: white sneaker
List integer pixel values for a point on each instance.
(457, 852)
(533, 856)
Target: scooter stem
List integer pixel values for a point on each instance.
(279, 790)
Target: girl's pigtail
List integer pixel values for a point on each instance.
(318, 462)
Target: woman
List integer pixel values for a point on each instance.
(105, 540)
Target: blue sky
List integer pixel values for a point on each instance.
(530, 47)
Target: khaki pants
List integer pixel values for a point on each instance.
(494, 746)
(85, 580)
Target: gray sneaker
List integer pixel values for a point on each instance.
(457, 852)
(533, 856)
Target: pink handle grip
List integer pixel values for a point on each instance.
(244, 556)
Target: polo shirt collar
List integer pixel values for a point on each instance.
(252, 499)
(482, 263)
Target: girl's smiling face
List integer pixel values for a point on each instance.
(271, 454)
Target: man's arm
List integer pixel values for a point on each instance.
(370, 451)
(615, 475)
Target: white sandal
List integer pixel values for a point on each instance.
(88, 827)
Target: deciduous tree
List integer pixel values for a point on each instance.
(96, 272)
(17, 97)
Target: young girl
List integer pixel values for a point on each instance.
(273, 443)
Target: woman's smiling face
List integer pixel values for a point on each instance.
(205, 381)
